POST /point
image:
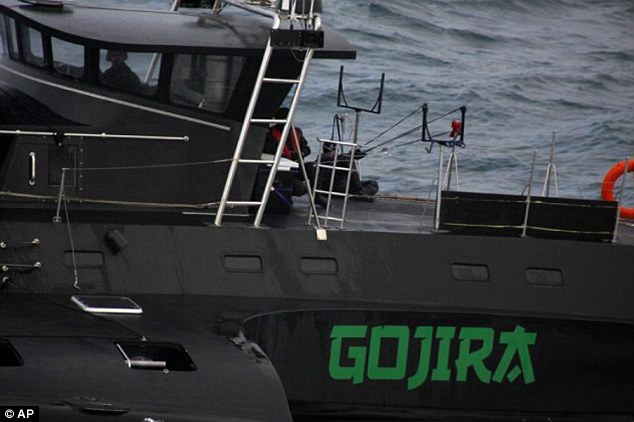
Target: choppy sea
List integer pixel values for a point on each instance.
(524, 69)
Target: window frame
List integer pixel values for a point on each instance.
(85, 68)
(98, 73)
(231, 96)
(21, 47)
(12, 37)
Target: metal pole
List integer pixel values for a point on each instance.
(353, 152)
(58, 218)
(316, 184)
(438, 189)
(305, 174)
(528, 196)
(551, 170)
(618, 207)
(331, 187)
(452, 165)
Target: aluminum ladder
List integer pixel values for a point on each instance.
(332, 165)
(249, 120)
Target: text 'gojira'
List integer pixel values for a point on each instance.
(365, 360)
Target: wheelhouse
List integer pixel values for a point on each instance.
(195, 59)
(159, 76)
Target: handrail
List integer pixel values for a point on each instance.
(102, 135)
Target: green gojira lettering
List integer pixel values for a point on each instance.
(396, 372)
(382, 353)
(474, 359)
(355, 353)
(517, 343)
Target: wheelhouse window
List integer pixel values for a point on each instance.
(132, 72)
(32, 46)
(68, 58)
(12, 37)
(205, 82)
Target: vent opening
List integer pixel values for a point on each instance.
(243, 263)
(318, 265)
(470, 272)
(156, 356)
(545, 276)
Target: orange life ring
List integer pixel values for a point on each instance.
(607, 188)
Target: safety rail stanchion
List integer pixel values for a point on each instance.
(551, 171)
(438, 189)
(452, 166)
(619, 204)
(58, 217)
(528, 195)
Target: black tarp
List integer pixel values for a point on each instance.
(496, 214)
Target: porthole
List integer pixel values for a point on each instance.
(470, 272)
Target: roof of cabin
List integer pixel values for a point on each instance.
(142, 30)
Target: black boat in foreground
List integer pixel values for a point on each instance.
(146, 278)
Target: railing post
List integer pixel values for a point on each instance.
(619, 205)
(528, 196)
(438, 189)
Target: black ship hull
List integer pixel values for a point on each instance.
(366, 323)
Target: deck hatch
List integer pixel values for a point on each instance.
(318, 265)
(107, 304)
(470, 272)
(156, 356)
(243, 263)
(8, 355)
(545, 276)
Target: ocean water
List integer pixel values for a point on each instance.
(524, 69)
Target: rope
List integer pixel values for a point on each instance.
(72, 246)
(410, 131)
(151, 166)
(393, 126)
(111, 202)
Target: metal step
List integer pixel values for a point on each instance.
(325, 192)
(269, 121)
(281, 81)
(332, 141)
(325, 166)
(323, 217)
(249, 161)
(244, 203)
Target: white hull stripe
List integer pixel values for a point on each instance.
(114, 100)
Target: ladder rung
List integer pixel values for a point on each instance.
(244, 203)
(331, 141)
(269, 121)
(246, 161)
(324, 166)
(325, 192)
(329, 218)
(280, 81)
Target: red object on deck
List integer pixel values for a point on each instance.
(456, 127)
